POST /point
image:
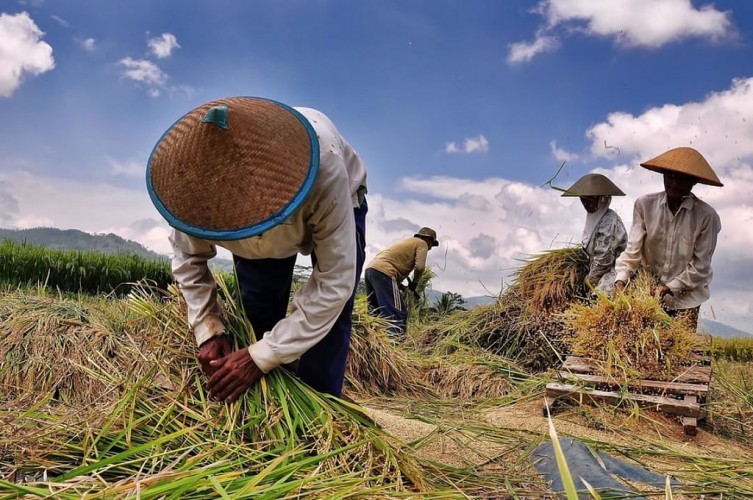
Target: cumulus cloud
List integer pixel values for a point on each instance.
(142, 70)
(163, 45)
(470, 145)
(22, 51)
(719, 126)
(630, 23)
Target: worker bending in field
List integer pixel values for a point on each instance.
(385, 273)
(266, 182)
(674, 234)
(604, 236)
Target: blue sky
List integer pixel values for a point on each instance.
(461, 111)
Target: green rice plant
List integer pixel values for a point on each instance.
(733, 349)
(78, 272)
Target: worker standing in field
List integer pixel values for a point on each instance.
(674, 234)
(266, 182)
(384, 275)
(604, 236)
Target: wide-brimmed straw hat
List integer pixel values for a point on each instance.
(428, 232)
(685, 161)
(593, 185)
(233, 168)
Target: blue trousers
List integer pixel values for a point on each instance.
(265, 290)
(386, 300)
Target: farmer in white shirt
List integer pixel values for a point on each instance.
(674, 233)
(604, 236)
(266, 182)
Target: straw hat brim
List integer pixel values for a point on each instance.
(593, 185)
(686, 161)
(238, 180)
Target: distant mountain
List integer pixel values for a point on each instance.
(720, 329)
(73, 239)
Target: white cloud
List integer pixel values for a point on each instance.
(21, 51)
(88, 44)
(470, 145)
(524, 51)
(720, 127)
(162, 46)
(144, 71)
(62, 22)
(560, 154)
(630, 23)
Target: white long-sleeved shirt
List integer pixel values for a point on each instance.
(677, 248)
(323, 224)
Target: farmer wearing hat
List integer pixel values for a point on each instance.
(604, 236)
(384, 275)
(266, 182)
(674, 233)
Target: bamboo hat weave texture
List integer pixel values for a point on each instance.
(685, 161)
(233, 168)
(593, 185)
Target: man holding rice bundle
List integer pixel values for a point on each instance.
(266, 182)
(674, 234)
(384, 275)
(604, 236)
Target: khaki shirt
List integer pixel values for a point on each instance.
(323, 224)
(677, 248)
(399, 259)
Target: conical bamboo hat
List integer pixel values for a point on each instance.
(685, 161)
(593, 185)
(233, 168)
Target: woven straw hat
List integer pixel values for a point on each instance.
(593, 185)
(428, 232)
(686, 161)
(233, 168)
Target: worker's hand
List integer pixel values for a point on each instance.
(234, 375)
(215, 348)
(619, 287)
(665, 294)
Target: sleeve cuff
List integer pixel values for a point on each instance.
(211, 326)
(675, 286)
(622, 276)
(264, 356)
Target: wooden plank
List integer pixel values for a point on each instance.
(659, 403)
(688, 374)
(690, 424)
(640, 384)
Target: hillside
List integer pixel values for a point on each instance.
(73, 239)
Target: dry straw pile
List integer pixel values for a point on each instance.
(140, 425)
(524, 324)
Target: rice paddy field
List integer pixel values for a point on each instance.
(101, 397)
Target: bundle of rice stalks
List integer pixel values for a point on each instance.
(551, 280)
(631, 334)
(162, 438)
(376, 366)
(48, 343)
(524, 324)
